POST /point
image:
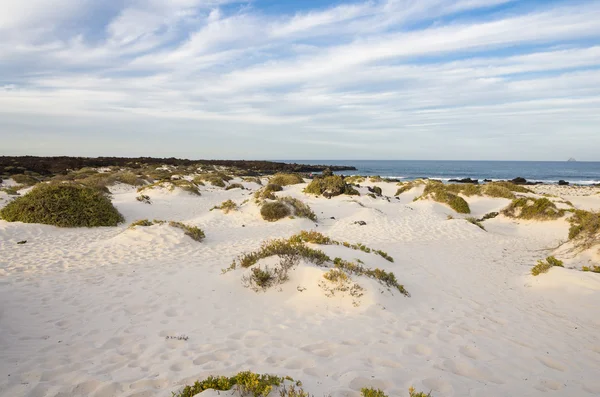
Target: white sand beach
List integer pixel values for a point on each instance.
(98, 312)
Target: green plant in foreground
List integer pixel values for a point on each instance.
(63, 205)
(235, 186)
(246, 383)
(413, 393)
(544, 266)
(371, 392)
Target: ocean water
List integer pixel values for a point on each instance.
(575, 172)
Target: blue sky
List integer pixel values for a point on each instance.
(266, 79)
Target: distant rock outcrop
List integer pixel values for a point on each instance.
(465, 180)
(571, 160)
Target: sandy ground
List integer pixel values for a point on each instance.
(87, 312)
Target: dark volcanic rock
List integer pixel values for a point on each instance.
(487, 180)
(563, 183)
(522, 181)
(361, 223)
(60, 165)
(465, 180)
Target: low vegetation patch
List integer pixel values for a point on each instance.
(235, 186)
(143, 223)
(226, 206)
(330, 186)
(63, 205)
(440, 193)
(274, 211)
(354, 179)
(585, 229)
(215, 178)
(295, 248)
(195, 233)
(385, 278)
(371, 392)
(533, 209)
(182, 184)
(593, 269)
(544, 265)
(510, 186)
(475, 222)
(267, 192)
(26, 180)
(499, 191)
(298, 208)
(245, 383)
(286, 179)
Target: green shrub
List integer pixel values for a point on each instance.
(286, 179)
(383, 277)
(291, 391)
(384, 255)
(371, 392)
(544, 266)
(11, 191)
(354, 179)
(141, 222)
(129, 178)
(274, 211)
(467, 189)
(496, 190)
(63, 205)
(533, 209)
(245, 383)
(235, 186)
(439, 192)
(193, 232)
(267, 192)
(252, 179)
(413, 393)
(404, 188)
(228, 206)
(594, 269)
(214, 178)
(330, 186)
(510, 186)
(349, 190)
(23, 179)
(299, 208)
(282, 248)
(184, 185)
(585, 226)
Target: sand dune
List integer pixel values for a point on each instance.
(88, 312)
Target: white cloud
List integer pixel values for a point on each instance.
(384, 72)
